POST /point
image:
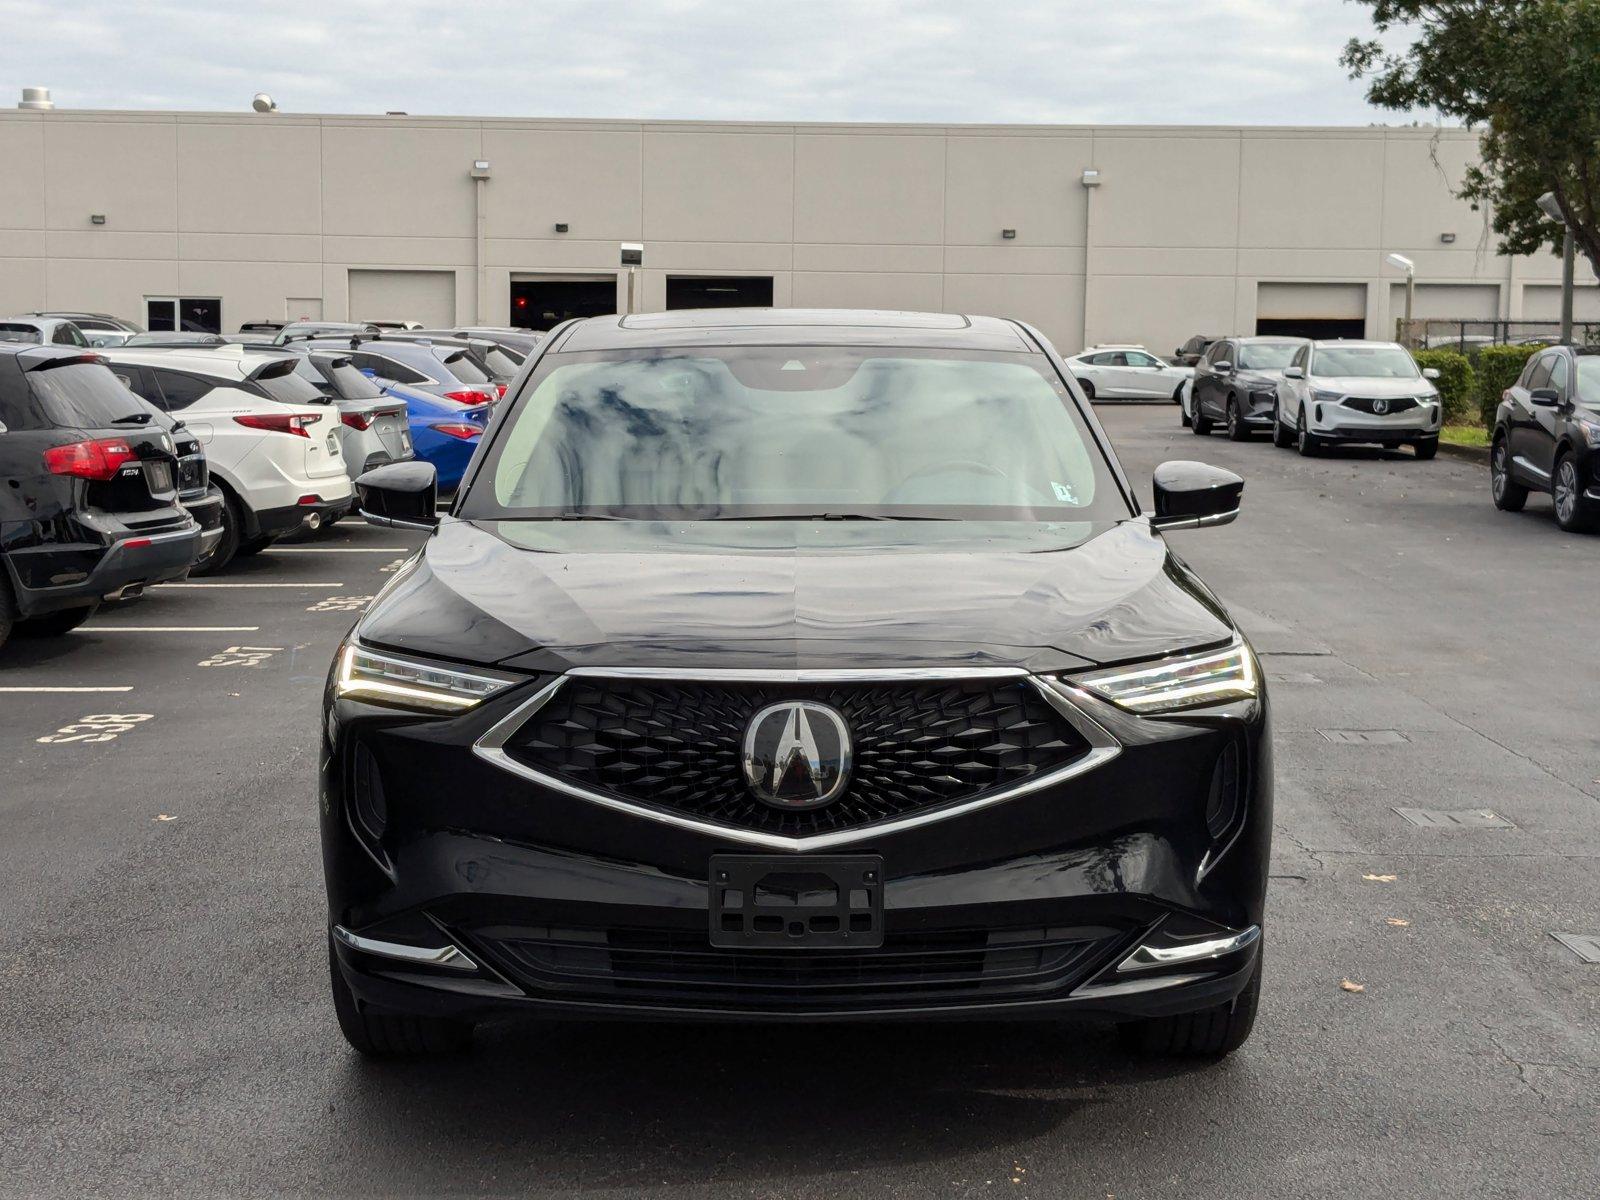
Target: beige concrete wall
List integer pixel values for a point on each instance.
(273, 212)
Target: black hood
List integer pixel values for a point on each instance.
(549, 595)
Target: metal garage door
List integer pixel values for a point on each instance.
(1312, 309)
(1542, 302)
(1477, 301)
(426, 296)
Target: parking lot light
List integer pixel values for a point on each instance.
(1401, 263)
(1551, 207)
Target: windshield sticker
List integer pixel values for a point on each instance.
(1064, 493)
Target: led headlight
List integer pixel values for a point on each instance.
(1322, 397)
(414, 683)
(1590, 430)
(1189, 681)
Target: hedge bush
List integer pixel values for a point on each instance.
(1457, 383)
(1497, 368)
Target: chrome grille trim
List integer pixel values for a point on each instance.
(1103, 747)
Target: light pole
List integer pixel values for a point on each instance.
(1549, 207)
(1401, 263)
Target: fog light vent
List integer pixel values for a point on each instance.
(1222, 808)
(367, 802)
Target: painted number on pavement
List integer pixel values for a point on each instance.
(340, 604)
(240, 656)
(98, 727)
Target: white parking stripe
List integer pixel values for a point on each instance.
(169, 628)
(250, 585)
(337, 550)
(66, 689)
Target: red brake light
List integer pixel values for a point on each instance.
(295, 423)
(465, 397)
(357, 420)
(501, 388)
(459, 431)
(99, 459)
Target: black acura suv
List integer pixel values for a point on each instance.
(796, 665)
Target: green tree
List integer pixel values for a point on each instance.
(1526, 73)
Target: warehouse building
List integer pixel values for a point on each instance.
(1104, 233)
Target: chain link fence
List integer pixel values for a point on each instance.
(1466, 335)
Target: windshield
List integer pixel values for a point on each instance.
(1363, 362)
(1589, 380)
(20, 333)
(770, 432)
(84, 396)
(461, 365)
(1266, 356)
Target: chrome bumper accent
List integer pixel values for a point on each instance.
(1146, 957)
(428, 956)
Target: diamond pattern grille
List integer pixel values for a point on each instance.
(677, 746)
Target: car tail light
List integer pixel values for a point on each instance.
(501, 388)
(459, 431)
(357, 420)
(96, 459)
(465, 397)
(295, 423)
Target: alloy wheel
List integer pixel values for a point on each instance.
(1566, 490)
(1497, 471)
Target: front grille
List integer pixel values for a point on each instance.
(678, 746)
(1397, 404)
(640, 964)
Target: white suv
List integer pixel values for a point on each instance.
(1353, 391)
(271, 439)
(1127, 373)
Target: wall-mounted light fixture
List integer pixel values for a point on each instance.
(1091, 177)
(1008, 234)
(97, 218)
(561, 226)
(480, 169)
(1447, 238)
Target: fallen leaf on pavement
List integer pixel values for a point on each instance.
(1380, 878)
(1350, 986)
(1397, 922)
(164, 817)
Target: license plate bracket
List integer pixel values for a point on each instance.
(773, 902)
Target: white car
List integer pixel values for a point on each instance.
(271, 439)
(1353, 391)
(1127, 373)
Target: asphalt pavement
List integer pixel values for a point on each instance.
(164, 1018)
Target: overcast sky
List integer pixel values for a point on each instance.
(1067, 61)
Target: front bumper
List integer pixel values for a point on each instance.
(545, 901)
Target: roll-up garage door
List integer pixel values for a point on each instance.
(1461, 301)
(1322, 310)
(426, 296)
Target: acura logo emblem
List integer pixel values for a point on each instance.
(1380, 407)
(797, 754)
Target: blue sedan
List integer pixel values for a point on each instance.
(443, 432)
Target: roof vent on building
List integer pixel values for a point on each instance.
(36, 97)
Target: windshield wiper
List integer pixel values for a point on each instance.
(830, 516)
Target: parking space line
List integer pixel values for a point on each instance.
(169, 629)
(67, 689)
(250, 585)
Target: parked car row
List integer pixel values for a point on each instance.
(157, 454)
(1315, 394)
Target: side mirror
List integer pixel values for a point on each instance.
(1222, 367)
(1545, 397)
(1430, 372)
(1193, 495)
(1294, 372)
(400, 495)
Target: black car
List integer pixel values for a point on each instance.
(200, 498)
(796, 666)
(1236, 384)
(1188, 354)
(92, 507)
(1547, 437)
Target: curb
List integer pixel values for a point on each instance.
(1473, 454)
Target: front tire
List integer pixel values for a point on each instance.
(1306, 442)
(1426, 448)
(1574, 512)
(1282, 435)
(1199, 422)
(1238, 431)
(1210, 1033)
(391, 1035)
(1509, 495)
(55, 624)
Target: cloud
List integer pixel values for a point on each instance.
(1066, 61)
